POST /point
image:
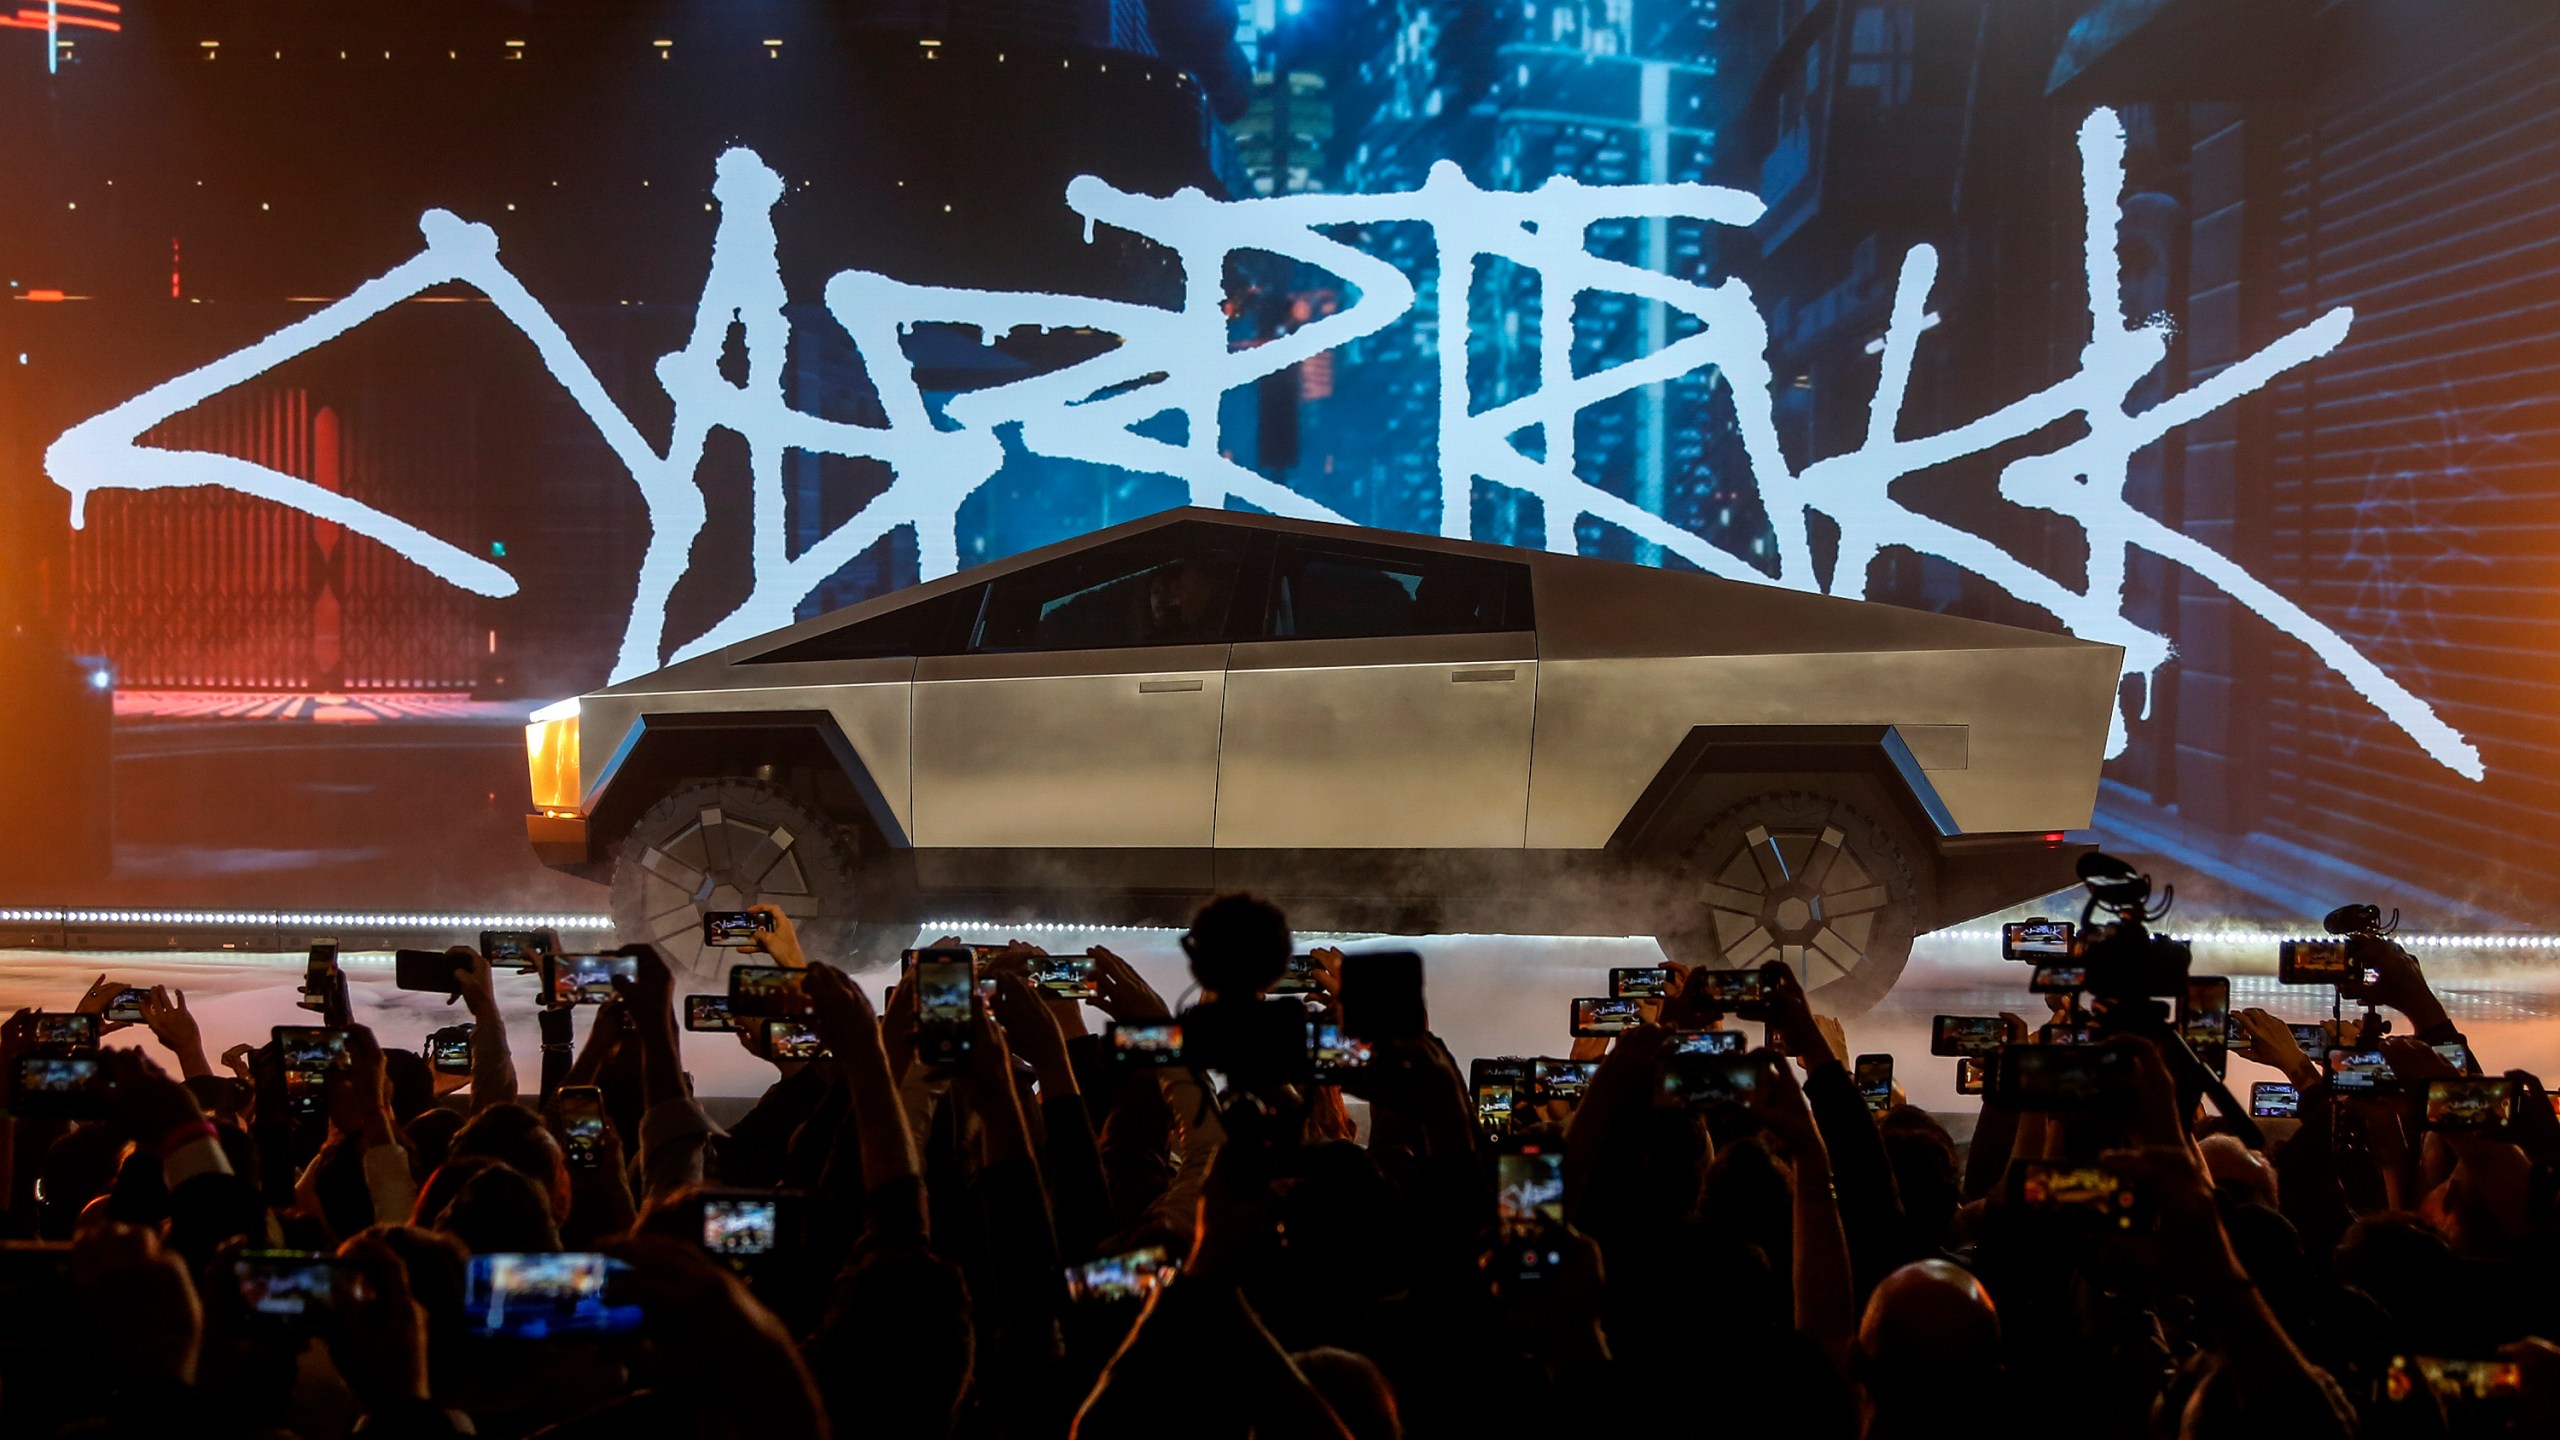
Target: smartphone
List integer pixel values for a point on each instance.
(2093, 1196)
(306, 1054)
(1159, 1044)
(1499, 1084)
(72, 1032)
(1529, 1186)
(2313, 962)
(2457, 1053)
(1967, 1034)
(1133, 1276)
(437, 972)
(586, 979)
(292, 1289)
(1641, 982)
(1382, 996)
(126, 1006)
(1596, 1018)
(946, 1001)
(522, 949)
(2204, 1012)
(1560, 1080)
(789, 1037)
(320, 976)
(63, 1087)
(767, 990)
(745, 1225)
(2038, 941)
(2456, 1383)
(1700, 1081)
(546, 1297)
(1707, 1042)
(2274, 1100)
(2059, 1032)
(2064, 979)
(1874, 1074)
(448, 1050)
(2312, 1039)
(2059, 1077)
(2471, 1103)
(1335, 1054)
(708, 1012)
(1298, 979)
(1737, 992)
(2364, 1071)
(1973, 1076)
(735, 929)
(578, 1110)
(1065, 977)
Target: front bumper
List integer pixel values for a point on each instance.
(559, 840)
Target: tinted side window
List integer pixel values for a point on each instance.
(1324, 592)
(1166, 587)
(927, 627)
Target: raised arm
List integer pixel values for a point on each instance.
(674, 1131)
(1826, 1307)
(1199, 1361)
(493, 1065)
(165, 1011)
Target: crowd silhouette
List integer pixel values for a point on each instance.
(1278, 1215)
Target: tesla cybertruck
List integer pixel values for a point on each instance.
(1382, 732)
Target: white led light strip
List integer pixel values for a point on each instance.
(343, 920)
(2270, 937)
(1989, 934)
(350, 920)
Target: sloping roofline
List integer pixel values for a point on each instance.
(1778, 611)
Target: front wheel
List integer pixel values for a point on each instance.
(1802, 878)
(728, 844)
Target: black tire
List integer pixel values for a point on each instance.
(729, 844)
(1805, 878)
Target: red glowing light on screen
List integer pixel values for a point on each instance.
(2053, 837)
(37, 20)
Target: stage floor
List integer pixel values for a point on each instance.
(1489, 995)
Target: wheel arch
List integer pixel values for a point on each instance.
(805, 751)
(1715, 765)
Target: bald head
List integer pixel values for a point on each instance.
(2236, 1167)
(1927, 1325)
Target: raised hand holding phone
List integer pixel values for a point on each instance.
(165, 1011)
(1120, 994)
(2398, 982)
(842, 1013)
(101, 993)
(781, 940)
(1031, 1025)
(358, 1104)
(476, 983)
(2270, 1042)
(1793, 1023)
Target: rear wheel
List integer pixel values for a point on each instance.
(1806, 879)
(728, 844)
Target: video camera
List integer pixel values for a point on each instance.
(2131, 972)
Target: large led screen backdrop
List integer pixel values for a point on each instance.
(372, 375)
